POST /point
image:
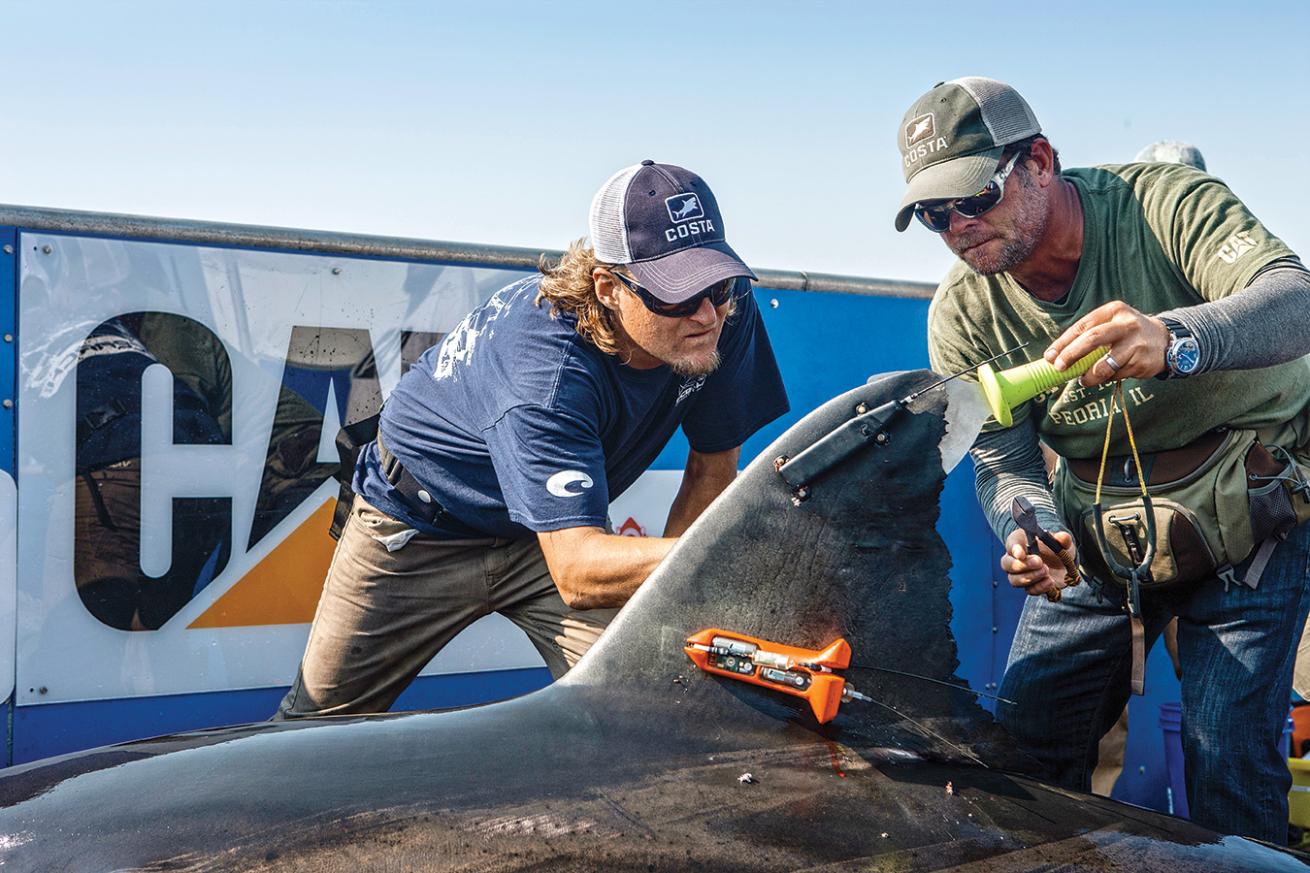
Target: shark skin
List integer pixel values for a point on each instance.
(634, 760)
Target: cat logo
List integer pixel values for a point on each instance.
(1235, 246)
(918, 129)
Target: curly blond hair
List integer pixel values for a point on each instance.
(568, 286)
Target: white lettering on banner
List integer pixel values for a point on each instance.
(923, 149)
(691, 228)
(245, 514)
(234, 524)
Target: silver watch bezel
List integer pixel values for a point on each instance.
(1179, 339)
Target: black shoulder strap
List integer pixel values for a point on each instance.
(351, 440)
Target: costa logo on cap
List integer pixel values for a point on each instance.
(952, 138)
(922, 128)
(663, 223)
(683, 207)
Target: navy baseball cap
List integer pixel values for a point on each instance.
(663, 223)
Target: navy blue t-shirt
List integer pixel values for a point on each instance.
(516, 424)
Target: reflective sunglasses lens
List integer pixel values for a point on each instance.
(936, 217)
(719, 294)
(650, 301)
(722, 292)
(972, 207)
(670, 310)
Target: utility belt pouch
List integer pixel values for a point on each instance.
(1214, 502)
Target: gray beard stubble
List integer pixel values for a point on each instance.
(1030, 222)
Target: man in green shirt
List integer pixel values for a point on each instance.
(1163, 265)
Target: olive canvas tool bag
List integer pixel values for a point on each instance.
(1213, 503)
(1179, 517)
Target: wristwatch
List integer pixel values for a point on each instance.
(1183, 355)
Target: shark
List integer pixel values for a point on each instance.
(921, 127)
(690, 205)
(636, 760)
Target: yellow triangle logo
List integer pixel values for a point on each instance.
(285, 586)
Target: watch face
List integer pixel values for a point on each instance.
(1184, 356)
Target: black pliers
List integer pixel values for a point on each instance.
(1025, 515)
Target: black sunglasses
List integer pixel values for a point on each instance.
(719, 293)
(936, 215)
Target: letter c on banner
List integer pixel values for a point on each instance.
(107, 515)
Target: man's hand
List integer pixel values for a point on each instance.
(1036, 574)
(1137, 344)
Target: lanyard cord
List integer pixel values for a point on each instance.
(1137, 679)
(1119, 402)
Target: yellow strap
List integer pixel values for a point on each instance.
(1118, 401)
(1132, 443)
(1105, 450)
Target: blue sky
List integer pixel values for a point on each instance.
(495, 122)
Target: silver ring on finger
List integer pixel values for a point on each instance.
(1111, 362)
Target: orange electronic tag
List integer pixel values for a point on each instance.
(803, 673)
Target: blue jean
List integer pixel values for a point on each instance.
(1068, 678)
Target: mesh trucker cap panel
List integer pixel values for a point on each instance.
(1006, 114)
(609, 232)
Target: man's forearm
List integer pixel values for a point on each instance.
(1267, 323)
(1008, 464)
(704, 479)
(596, 570)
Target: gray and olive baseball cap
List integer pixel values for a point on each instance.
(952, 138)
(663, 223)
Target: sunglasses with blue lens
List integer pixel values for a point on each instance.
(936, 214)
(719, 293)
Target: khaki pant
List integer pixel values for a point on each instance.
(1301, 670)
(384, 614)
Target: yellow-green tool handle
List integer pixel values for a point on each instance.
(1040, 376)
(1007, 389)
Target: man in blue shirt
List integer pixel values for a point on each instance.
(499, 451)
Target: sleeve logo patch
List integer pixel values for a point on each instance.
(562, 483)
(1235, 246)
